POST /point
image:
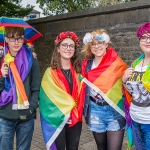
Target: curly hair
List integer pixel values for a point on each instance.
(56, 60)
(87, 48)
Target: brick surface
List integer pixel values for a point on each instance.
(86, 141)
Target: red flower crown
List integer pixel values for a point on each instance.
(68, 34)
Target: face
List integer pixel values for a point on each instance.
(15, 43)
(66, 48)
(98, 49)
(145, 43)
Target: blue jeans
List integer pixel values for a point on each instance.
(24, 132)
(141, 135)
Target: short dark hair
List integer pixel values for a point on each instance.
(14, 31)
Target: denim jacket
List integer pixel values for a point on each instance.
(117, 116)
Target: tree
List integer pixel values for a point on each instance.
(13, 8)
(55, 7)
(101, 3)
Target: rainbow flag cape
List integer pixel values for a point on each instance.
(56, 107)
(146, 83)
(106, 79)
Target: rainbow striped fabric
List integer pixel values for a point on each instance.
(19, 68)
(128, 98)
(30, 33)
(106, 79)
(55, 108)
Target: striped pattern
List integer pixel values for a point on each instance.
(55, 108)
(31, 34)
(19, 68)
(22, 99)
(107, 79)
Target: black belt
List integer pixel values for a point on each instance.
(97, 102)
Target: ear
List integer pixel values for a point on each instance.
(106, 45)
(6, 39)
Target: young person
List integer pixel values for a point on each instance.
(19, 86)
(137, 82)
(103, 109)
(61, 104)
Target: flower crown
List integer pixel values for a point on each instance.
(68, 34)
(99, 37)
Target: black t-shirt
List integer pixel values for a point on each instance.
(67, 73)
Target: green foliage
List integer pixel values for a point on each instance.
(101, 3)
(13, 8)
(130, 0)
(55, 7)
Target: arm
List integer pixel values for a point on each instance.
(34, 85)
(3, 74)
(127, 75)
(2, 79)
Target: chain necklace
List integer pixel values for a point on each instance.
(143, 64)
(67, 74)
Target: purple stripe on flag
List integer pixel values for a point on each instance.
(48, 129)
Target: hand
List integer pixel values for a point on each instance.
(4, 70)
(127, 74)
(34, 55)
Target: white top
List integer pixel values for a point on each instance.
(140, 105)
(93, 93)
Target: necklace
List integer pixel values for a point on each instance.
(143, 64)
(67, 74)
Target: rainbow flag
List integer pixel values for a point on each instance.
(19, 68)
(55, 109)
(106, 79)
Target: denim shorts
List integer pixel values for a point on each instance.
(101, 119)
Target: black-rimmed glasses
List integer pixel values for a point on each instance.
(144, 38)
(12, 39)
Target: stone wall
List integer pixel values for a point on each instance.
(121, 21)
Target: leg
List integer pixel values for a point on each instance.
(24, 132)
(115, 139)
(137, 136)
(146, 135)
(101, 140)
(147, 140)
(73, 136)
(61, 140)
(6, 134)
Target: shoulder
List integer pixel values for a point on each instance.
(35, 62)
(35, 65)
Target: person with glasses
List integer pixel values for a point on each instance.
(19, 91)
(61, 105)
(136, 79)
(102, 70)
